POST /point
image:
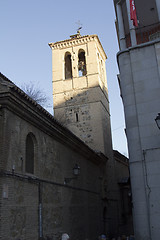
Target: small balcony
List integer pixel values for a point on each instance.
(148, 16)
(144, 34)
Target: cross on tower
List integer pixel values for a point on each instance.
(79, 26)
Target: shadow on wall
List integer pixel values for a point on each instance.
(80, 108)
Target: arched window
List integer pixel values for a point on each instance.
(30, 153)
(82, 63)
(68, 66)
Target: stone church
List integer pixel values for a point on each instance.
(60, 174)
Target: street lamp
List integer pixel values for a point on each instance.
(76, 172)
(157, 119)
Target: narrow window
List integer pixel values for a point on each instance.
(68, 66)
(82, 63)
(29, 163)
(76, 117)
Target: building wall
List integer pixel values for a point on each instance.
(125, 194)
(140, 88)
(75, 207)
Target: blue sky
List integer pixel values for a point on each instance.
(26, 28)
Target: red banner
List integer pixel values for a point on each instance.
(133, 14)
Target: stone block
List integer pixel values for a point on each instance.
(80, 83)
(58, 100)
(92, 81)
(58, 87)
(67, 85)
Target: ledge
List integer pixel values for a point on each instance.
(138, 46)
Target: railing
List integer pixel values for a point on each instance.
(145, 34)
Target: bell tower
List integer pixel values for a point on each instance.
(80, 99)
(80, 93)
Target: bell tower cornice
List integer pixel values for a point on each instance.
(76, 40)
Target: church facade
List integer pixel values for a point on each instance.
(39, 198)
(58, 174)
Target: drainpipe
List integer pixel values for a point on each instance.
(158, 8)
(121, 32)
(40, 211)
(131, 27)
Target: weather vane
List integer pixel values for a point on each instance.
(79, 26)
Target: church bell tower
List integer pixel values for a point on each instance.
(80, 93)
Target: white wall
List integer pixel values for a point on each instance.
(140, 86)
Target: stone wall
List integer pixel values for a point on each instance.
(74, 207)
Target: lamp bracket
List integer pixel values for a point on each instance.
(68, 180)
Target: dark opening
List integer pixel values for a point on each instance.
(29, 166)
(68, 66)
(82, 63)
(76, 117)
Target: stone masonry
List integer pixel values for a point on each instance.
(41, 205)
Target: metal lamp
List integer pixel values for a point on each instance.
(157, 119)
(76, 172)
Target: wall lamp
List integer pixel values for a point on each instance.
(157, 119)
(76, 172)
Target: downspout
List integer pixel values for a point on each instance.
(40, 211)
